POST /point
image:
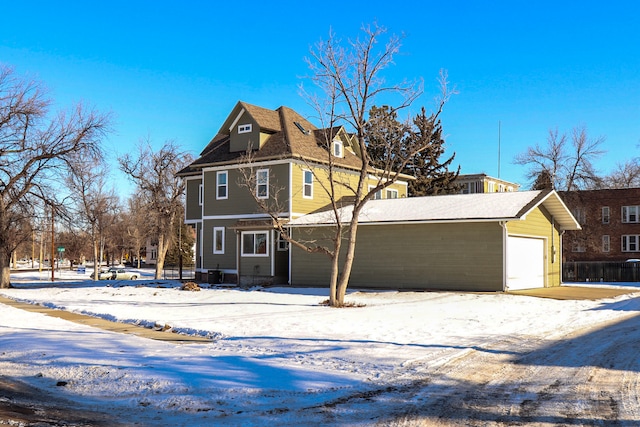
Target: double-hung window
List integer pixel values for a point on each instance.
(222, 188)
(255, 243)
(605, 215)
(630, 214)
(218, 240)
(307, 184)
(606, 243)
(262, 183)
(392, 194)
(630, 242)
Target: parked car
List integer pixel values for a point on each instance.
(115, 273)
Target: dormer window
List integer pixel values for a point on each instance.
(244, 128)
(337, 148)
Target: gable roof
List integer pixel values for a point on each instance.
(289, 135)
(480, 207)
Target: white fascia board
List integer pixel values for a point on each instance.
(241, 216)
(257, 164)
(236, 120)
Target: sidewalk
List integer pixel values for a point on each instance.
(96, 322)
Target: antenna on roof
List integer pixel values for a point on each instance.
(499, 126)
(302, 129)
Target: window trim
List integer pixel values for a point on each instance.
(337, 148)
(307, 185)
(245, 128)
(283, 244)
(265, 184)
(625, 242)
(626, 214)
(225, 185)
(606, 218)
(392, 191)
(377, 195)
(200, 194)
(253, 253)
(215, 240)
(606, 243)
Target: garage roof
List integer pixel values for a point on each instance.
(480, 207)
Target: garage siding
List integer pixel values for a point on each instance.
(538, 223)
(454, 256)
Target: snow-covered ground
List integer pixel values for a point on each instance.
(278, 356)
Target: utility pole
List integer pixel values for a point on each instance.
(53, 254)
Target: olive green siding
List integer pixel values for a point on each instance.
(193, 210)
(539, 223)
(242, 141)
(239, 199)
(226, 261)
(456, 256)
(198, 253)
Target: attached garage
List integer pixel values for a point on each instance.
(481, 242)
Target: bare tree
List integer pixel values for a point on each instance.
(94, 203)
(349, 78)
(568, 166)
(625, 175)
(34, 150)
(136, 227)
(160, 190)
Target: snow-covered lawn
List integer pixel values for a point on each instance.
(277, 356)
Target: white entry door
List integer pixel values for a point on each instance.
(525, 263)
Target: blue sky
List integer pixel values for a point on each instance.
(174, 70)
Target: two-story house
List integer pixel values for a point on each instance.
(265, 158)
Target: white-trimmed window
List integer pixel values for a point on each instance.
(605, 215)
(262, 183)
(630, 214)
(246, 128)
(578, 246)
(491, 187)
(377, 195)
(579, 214)
(200, 194)
(630, 242)
(392, 194)
(606, 243)
(255, 243)
(307, 184)
(283, 244)
(222, 187)
(218, 240)
(337, 148)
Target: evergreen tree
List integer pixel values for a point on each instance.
(383, 130)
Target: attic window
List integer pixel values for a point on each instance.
(244, 128)
(302, 129)
(337, 148)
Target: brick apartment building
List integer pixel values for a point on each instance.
(610, 221)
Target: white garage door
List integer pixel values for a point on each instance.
(525, 263)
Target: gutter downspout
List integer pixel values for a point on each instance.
(505, 273)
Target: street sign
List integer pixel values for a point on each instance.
(60, 248)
